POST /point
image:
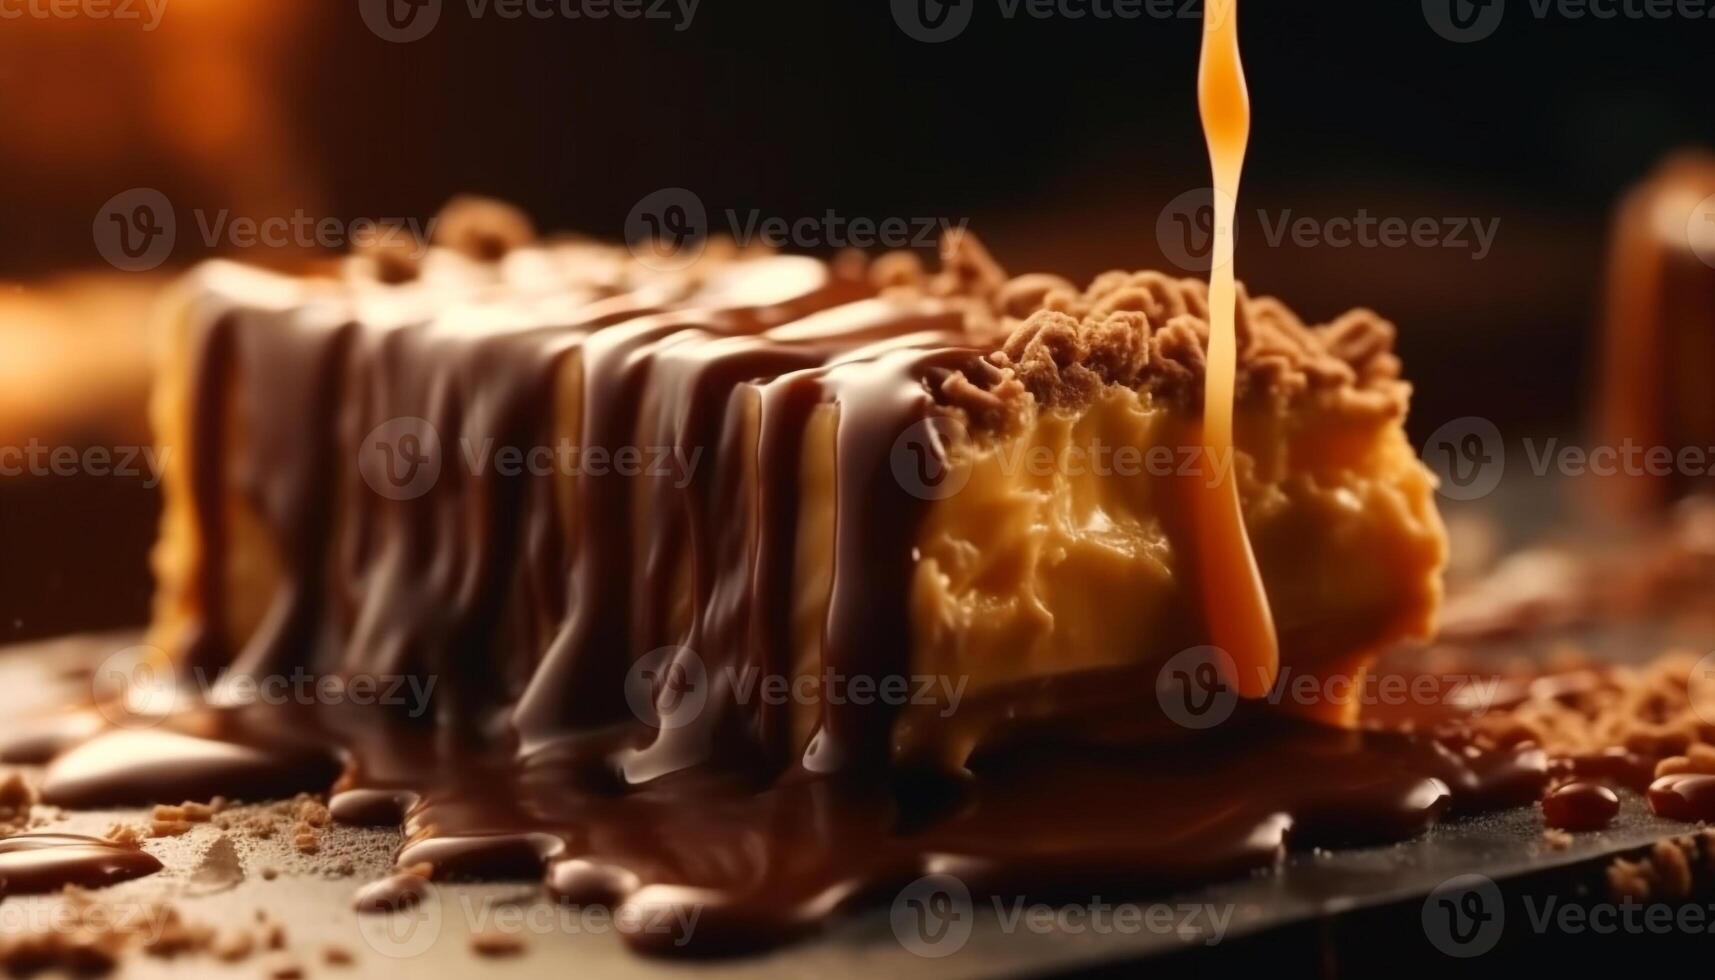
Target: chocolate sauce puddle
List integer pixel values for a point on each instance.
(34, 864)
(198, 756)
(762, 859)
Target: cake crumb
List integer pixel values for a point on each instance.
(305, 839)
(314, 813)
(232, 945)
(175, 936)
(1629, 879)
(336, 955)
(495, 944)
(1557, 840)
(260, 826)
(269, 872)
(15, 794)
(1667, 872)
(282, 966)
(124, 835)
(1698, 759)
(274, 936)
(1672, 868)
(169, 828)
(197, 812)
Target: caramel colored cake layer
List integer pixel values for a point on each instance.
(537, 473)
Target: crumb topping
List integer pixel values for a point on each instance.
(1148, 331)
(1053, 342)
(1059, 345)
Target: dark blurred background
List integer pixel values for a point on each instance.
(1060, 139)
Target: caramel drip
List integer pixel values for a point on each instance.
(1240, 622)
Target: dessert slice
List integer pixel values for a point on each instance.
(763, 510)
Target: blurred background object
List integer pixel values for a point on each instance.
(77, 488)
(1068, 142)
(1659, 341)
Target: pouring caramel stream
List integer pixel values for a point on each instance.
(1235, 604)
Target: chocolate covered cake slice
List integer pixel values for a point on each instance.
(764, 509)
